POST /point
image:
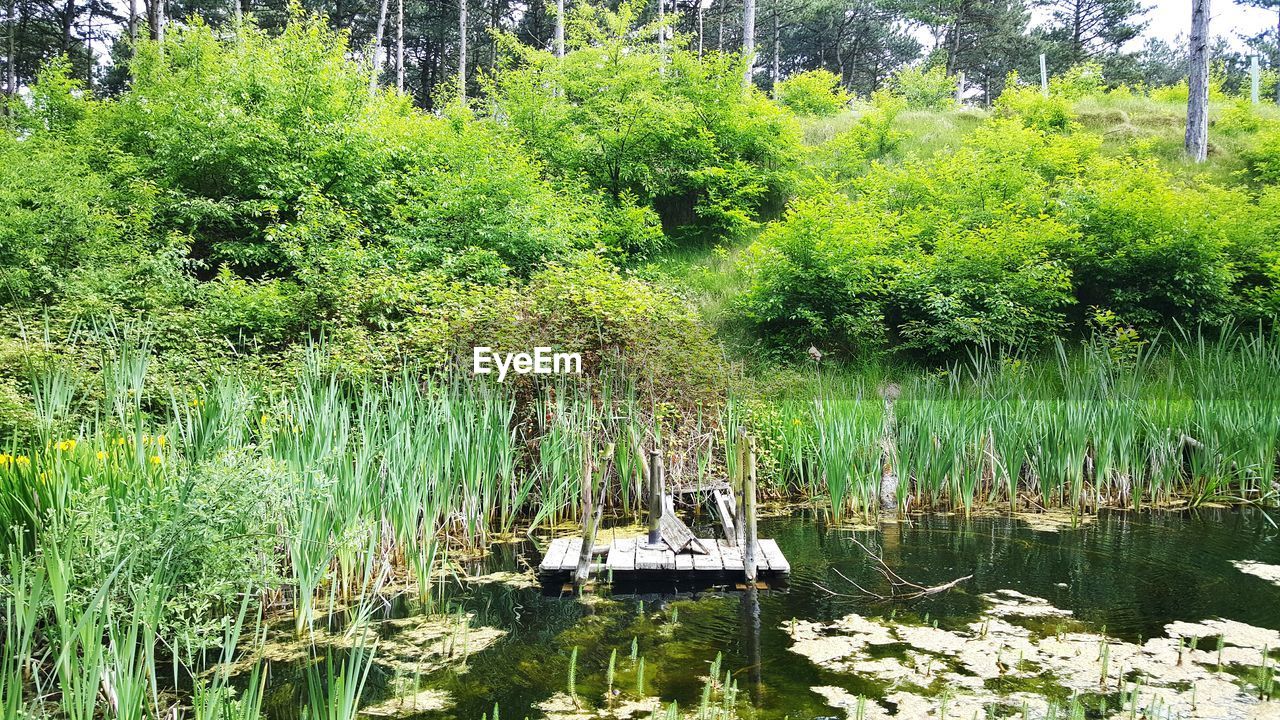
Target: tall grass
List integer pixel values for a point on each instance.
(1196, 421)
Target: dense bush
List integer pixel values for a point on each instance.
(1009, 239)
(814, 92)
(672, 132)
(252, 196)
(925, 87)
(1049, 113)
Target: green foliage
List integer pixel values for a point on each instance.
(998, 283)
(1006, 240)
(814, 92)
(924, 87)
(671, 132)
(1151, 250)
(1261, 155)
(1033, 109)
(872, 137)
(826, 274)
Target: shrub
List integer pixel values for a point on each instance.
(924, 88)
(814, 92)
(1151, 251)
(1080, 81)
(826, 274)
(997, 284)
(872, 137)
(1261, 156)
(672, 132)
(1033, 109)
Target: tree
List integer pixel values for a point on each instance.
(1089, 29)
(1197, 141)
(749, 37)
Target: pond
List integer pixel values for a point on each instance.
(1093, 612)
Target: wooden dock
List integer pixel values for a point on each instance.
(628, 557)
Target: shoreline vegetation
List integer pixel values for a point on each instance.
(242, 289)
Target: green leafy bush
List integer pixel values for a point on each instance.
(1029, 105)
(673, 132)
(814, 92)
(925, 88)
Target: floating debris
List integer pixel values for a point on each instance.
(408, 705)
(1270, 573)
(931, 672)
(1054, 520)
(516, 580)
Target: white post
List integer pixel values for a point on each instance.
(960, 87)
(1254, 79)
(1044, 77)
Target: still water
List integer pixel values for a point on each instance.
(1130, 573)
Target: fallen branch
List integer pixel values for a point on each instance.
(899, 587)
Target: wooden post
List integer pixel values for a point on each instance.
(1044, 77)
(749, 497)
(655, 497)
(591, 511)
(738, 482)
(960, 87)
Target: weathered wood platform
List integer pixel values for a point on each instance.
(631, 555)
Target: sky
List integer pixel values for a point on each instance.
(1167, 19)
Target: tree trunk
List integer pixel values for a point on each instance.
(662, 35)
(11, 55)
(133, 21)
(1197, 140)
(777, 50)
(462, 50)
(375, 50)
(748, 38)
(400, 45)
(560, 28)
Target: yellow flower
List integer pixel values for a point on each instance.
(22, 460)
(120, 441)
(156, 459)
(66, 445)
(161, 440)
(102, 455)
(795, 421)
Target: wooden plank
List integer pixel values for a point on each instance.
(572, 548)
(732, 557)
(712, 561)
(668, 559)
(684, 561)
(649, 558)
(677, 535)
(708, 487)
(622, 554)
(777, 561)
(723, 500)
(553, 560)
